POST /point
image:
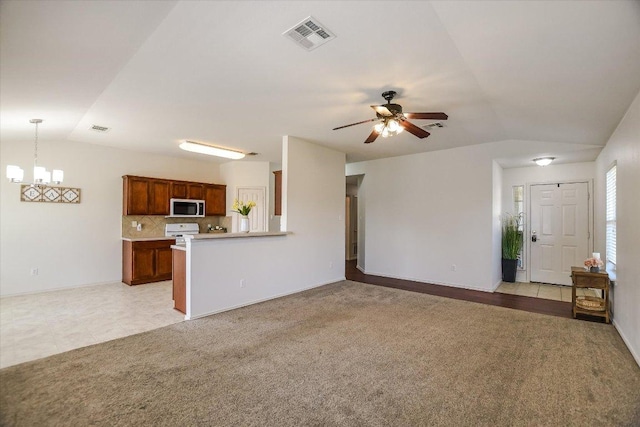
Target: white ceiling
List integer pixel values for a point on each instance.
(560, 73)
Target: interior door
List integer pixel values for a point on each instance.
(257, 216)
(559, 236)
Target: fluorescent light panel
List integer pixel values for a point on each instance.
(197, 147)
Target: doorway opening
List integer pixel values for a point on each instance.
(354, 238)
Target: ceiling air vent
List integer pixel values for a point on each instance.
(434, 125)
(99, 128)
(309, 33)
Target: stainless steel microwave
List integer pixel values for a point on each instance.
(186, 208)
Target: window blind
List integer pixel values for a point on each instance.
(611, 215)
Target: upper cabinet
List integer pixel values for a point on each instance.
(151, 196)
(135, 195)
(187, 190)
(215, 200)
(159, 197)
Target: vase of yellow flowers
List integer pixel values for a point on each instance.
(243, 208)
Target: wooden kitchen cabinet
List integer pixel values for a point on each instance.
(135, 195)
(187, 190)
(178, 190)
(146, 261)
(195, 191)
(151, 196)
(159, 195)
(215, 199)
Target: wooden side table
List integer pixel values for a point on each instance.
(585, 279)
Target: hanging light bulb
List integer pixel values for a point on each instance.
(15, 173)
(379, 127)
(58, 176)
(393, 126)
(385, 132)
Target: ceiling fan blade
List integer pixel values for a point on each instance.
(353, 124)
(410, 127)
(426, 116)
(382, 110)
(372, 137)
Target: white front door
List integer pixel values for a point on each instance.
(559, 236)
(257, 216)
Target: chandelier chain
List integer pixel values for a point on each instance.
(35, 155)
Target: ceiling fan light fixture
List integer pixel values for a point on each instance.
(196, 147)
(544, 161)
(393, 126)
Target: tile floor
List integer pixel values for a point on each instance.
(541, 290)
(39, 325)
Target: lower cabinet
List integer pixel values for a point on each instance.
(146, 261)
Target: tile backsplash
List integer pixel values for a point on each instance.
(153, 225)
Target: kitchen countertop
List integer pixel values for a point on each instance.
(208, 236)
(179, 247)
(146, 239)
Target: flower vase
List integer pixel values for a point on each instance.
(595, 269)
(244, 224)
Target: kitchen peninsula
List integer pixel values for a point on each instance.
(218, 272)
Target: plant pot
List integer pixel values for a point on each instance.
(509, 268)
(244, 224)
(594, 269)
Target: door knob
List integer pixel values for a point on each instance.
(534, 236)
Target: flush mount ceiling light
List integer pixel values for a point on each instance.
(544, 161)
(197, 147)
(41, 176)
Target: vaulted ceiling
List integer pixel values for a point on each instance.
(561, 73)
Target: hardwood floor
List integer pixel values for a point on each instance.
(535, 305)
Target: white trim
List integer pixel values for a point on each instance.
(264, 299)
(626, 342)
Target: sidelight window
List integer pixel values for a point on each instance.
(611, 217)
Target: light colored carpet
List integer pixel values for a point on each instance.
(343, 354)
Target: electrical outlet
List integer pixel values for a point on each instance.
(134, 224)
(242, 283)
(453, 267)
(139, 227)
(34, 271)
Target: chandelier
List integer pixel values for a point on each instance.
(41, 176)
(388, 127)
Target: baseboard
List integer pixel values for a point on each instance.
(626, 342)
(264, 299)
(360, 268)
(62, 288)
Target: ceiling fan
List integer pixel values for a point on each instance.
(391, 120)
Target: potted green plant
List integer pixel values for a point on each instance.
(511, 246)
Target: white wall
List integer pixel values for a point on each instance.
(245, 174)
(74, 245)
(624, 148)
(311, 256)
(584, 171)
(426, 213)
